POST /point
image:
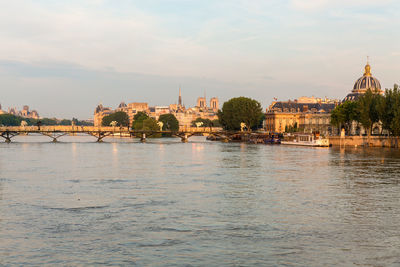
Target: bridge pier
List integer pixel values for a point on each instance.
(7, 136)
(143, 138)
(225, 140)
(100, 137)
(184, 139)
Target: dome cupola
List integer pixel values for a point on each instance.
(367, 81)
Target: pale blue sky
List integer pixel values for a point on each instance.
(64, 57)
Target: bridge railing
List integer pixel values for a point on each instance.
(60, 128)
(199, 129)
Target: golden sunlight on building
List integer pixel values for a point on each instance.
(184, 115)
(306, 114)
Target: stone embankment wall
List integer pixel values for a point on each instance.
(372, 141)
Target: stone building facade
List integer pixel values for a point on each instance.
(361, 86)
(308, 115)
(184, 115)
(312, 114)
(25, 112)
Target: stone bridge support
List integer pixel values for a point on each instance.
(184, 138)
(54, 136)
(99, 135)
(8, 135)
(143, 138)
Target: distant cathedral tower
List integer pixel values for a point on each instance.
(180, 98)
(214, 104)
(201, 102)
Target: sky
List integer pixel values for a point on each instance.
(63, 58)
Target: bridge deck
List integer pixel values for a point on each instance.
(86, 129)
(56, 132)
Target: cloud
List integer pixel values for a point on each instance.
(142, 50)
(67, 90)
(318, 5)
(309, 5)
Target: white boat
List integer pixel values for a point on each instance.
(307, 140)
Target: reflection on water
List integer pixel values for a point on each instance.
(200, 203)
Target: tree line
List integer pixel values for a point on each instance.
(142, 121)
(233, 113)
(13, 120)
(369, 110)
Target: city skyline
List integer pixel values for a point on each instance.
(65, 58)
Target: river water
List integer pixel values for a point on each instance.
(166, 203)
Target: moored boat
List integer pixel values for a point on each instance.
(307, 140)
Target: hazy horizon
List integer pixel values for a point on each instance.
(64, 58)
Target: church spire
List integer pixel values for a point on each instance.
(205, 99)
(180, 97)
(367, 68)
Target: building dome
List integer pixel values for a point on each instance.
(122, 105)
(367, 81)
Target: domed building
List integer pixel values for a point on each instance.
(367, 81)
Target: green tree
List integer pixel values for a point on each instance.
(206, 122)
(216, 123)
(120, 117)
(367, 107)
(149, 125)
(140, 116)
(82, 123)
(292, 128)
(386, 108)
(138, 120)
(395, 123)
(344, 115)
(13, 120)
(49, 121)
(170, 123)
(10, 120)
(238, 110)
(260, 123)
(65, 122)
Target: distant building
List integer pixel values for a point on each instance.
(201, 103)
(99, 113)
(187, 116)
(365, 82)
(133, 108)
(361, 86)
(184, 115)
(25, 112)
(214, 104)
(157, 111)
(309, 115)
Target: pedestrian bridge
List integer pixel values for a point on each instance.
(55, 132)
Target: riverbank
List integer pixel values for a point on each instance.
(364, 141)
